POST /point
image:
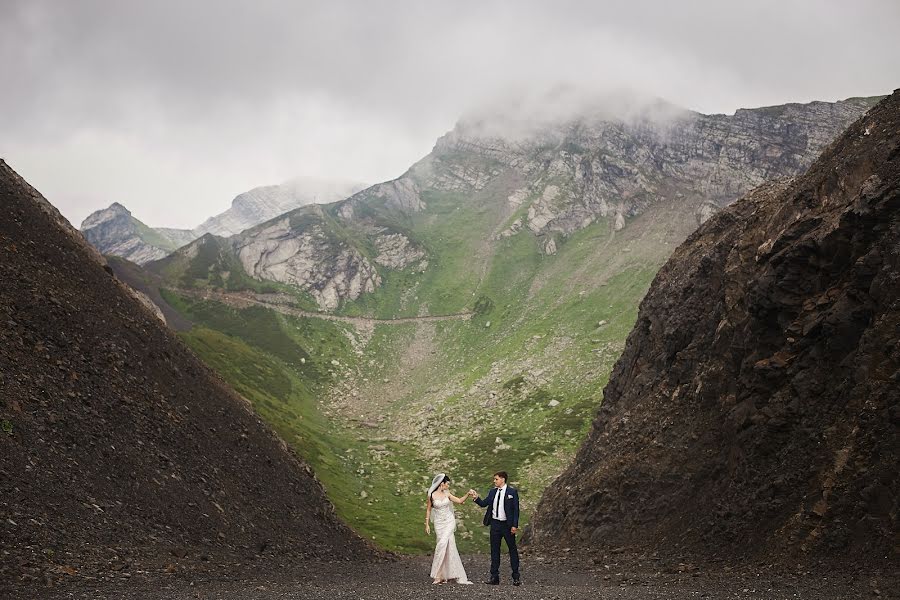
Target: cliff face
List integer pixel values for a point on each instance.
(756, 407)
(616, 168)
(116, 442)
(308, 258)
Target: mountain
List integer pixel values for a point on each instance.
(465, 317)
(754, 412)
(264, 203)
(115, 232)
(119, 449)
(549, 182)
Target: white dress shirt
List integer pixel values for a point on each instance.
(499, 511)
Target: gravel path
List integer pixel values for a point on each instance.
(544, 579)
(283, 303)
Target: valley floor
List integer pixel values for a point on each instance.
(543, 578)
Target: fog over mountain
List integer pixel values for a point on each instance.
(173, 108)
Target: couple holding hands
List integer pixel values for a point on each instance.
(502, 516)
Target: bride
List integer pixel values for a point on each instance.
(446, 564)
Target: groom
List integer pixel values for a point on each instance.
(502, 516)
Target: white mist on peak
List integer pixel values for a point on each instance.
(267, 202)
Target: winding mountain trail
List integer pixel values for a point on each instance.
(283, 303)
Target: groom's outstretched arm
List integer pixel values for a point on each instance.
(482, 502)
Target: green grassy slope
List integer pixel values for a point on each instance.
(377, 412)
(152, 237)
(284, 365)
(527, 370)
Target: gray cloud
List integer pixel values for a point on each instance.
(174, 107)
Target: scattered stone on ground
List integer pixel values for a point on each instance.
(543, 578)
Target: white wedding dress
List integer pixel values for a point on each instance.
(446, 564)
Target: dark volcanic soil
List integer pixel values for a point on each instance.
(755, 411)
(118, 447)
(148, 283)
(550, 578)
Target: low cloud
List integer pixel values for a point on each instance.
(172, 108)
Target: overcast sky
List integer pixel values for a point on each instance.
(173, 108)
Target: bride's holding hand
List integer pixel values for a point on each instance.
(443, 491)
(446, 564)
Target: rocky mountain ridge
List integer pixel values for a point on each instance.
(755, 410)
(595, 168)
(554, 182)
(116, 232)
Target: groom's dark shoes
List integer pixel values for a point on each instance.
(517, 581)
(492, 581)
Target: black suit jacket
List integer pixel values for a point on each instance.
(510, 505)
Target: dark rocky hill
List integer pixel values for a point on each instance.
(118, 447)
(755, 411)
(147, 284)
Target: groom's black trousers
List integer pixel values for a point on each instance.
(500, 530)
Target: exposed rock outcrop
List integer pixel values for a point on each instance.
(395, 251)
(114, 231)
(308, 258)
(307, 248)
(604, 166)
(756, 408)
